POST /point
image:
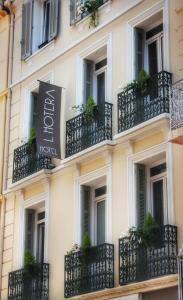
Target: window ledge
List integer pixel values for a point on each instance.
(51, 43)
(84, 19)
(36, 177)
(144, 128)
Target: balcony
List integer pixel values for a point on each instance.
(27, 162)
(135, 107)
(176, 113)
(89, 271)
(26, 287)
(139, 263)
(81, 135)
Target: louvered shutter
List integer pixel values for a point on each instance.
(74, 15)
(140, 194)
(85, 210)
(35, 110)
(88, 79)
(27, 17)
(54, 16)
(139, 50)
(29, 229)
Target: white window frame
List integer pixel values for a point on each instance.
(95, 87)
(143, 16)
(150, 153)
(94, 201)
(106, 41)
(37, 211)
(160, 57)
(149, 181)
(86, 180)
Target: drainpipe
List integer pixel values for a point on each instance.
(7, 6)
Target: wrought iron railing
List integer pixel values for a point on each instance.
(138, 263)
(27, 161)
(23, 286)
(81, 134)
(137, 106)
(176, 105)
(90, 270)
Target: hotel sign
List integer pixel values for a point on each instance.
(48, 129)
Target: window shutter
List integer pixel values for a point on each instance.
(140, 194)
(88, 79)
(35, 110)
(74, 15)
(54, 15)
(29, 229)
(27, 16)
(139, 50)
(85, 207)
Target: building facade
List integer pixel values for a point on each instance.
(117, 163)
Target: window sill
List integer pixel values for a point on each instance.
(84, 19)
(51, 43)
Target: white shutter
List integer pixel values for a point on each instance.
(88, 79)
(54, 19)
(29, 229)
(27, 17)
(139, 50)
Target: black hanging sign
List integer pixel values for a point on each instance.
(48, 129)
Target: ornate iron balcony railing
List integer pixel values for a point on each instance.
(23, 286)
(135, 106)
(27, 161)
(139, 263)
(176, 105)
(81, 134)
(89, 271)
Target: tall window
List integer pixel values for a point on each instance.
(39, 24)
(151, 192)
(95, 80)
(35, 232)
(93, 213)
(148, 49)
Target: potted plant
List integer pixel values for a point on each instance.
(141, 84)
(31, 272)
(90, 111)
(91, 7)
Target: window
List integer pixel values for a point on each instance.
(93, 213)
(148, 49)
(151, 192)
(75, 14)
(39, 24)
(35, 232)
(95, 79)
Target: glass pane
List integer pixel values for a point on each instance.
(153, 58)
(100, 191)
(100, 222)
(101, 88)
(40, 242)
(158, 169)
(158, 202)
(101, 64)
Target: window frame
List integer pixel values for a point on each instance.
(104, 70)
(160, 51)
(149, 181)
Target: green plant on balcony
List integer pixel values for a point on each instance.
(31, 267)
(91, 7)
(89, 110)
(149, 235)
(141, 84)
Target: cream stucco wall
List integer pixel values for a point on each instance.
(60, 187)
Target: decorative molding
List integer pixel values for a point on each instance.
(62, 52)
(133, 288)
